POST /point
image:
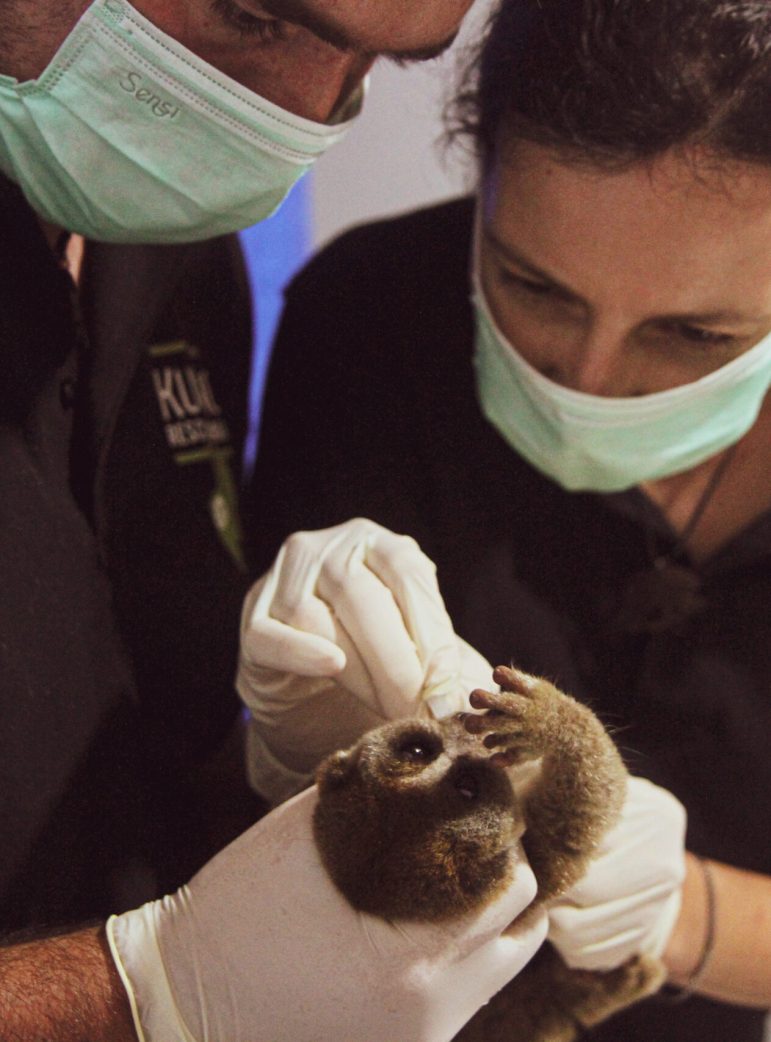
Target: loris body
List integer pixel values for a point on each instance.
(418, 821)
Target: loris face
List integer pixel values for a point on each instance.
(413, 821)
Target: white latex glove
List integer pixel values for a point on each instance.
(345, 631)
(260, 945)
(628, 901)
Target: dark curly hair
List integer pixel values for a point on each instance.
(614, 82)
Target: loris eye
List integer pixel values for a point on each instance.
(420, 748)
(416, 751)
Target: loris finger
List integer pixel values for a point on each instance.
(505, 759)
(491, 740)
(513, 740)
(514, 680)
(499, 704)
(481, 699)
(483, 722)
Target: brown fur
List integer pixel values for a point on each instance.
(418, 821)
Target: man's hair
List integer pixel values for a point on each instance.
(614, 82)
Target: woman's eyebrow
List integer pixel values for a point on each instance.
(710, 318)
(527, 266)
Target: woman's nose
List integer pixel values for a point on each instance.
(593, 365)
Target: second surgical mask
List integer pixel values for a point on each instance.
(588, 442)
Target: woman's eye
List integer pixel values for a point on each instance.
(708, 337)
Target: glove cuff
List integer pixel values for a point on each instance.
(266, 774)
(657, 942)
(134, 947)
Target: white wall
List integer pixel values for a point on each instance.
(392, 159)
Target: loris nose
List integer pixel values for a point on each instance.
(472, 777)
(466, 782)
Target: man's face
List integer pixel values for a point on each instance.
(304, 55)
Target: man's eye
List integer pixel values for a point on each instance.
(248, 24)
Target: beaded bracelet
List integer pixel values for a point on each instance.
(697, 973)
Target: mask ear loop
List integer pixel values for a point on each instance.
(473, 260)
(669, 591)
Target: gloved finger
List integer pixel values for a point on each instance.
(569, 921)
(649, 836)
(284, 627)
(503, 912)
(411, 576)
(318, 584)
(617, 932)
(293, 588)
(310, 724)
(381, 632)
(286, 592)
(367, 610)
(355, 677)
(293, 578)
(504, 956)
(629, 899)
(469, 983)
(270, 644)
(475, 671)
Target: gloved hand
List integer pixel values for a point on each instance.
(261, 945)
(346, 630)
(628, 901)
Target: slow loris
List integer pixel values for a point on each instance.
(418, 821)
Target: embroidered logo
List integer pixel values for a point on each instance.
(197, 432)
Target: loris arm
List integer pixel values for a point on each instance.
(582, 778)
(578, 794)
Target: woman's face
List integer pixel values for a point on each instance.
(621, 284)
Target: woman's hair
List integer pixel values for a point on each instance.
(614, 82)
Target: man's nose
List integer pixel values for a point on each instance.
(320, 93)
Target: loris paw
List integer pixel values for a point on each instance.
(519, 720)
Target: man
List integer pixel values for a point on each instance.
(121, 418)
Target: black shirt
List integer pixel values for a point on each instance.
(122, 416)
(371, 411)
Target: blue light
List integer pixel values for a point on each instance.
(274, 250)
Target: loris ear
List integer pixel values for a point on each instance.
(336, 770)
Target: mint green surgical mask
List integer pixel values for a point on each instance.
(129, 137)
(587, 442)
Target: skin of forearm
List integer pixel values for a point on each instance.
(63, 989)
(737, 969)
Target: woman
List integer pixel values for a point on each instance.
(559, 389)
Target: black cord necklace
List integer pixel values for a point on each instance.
(669, 590)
